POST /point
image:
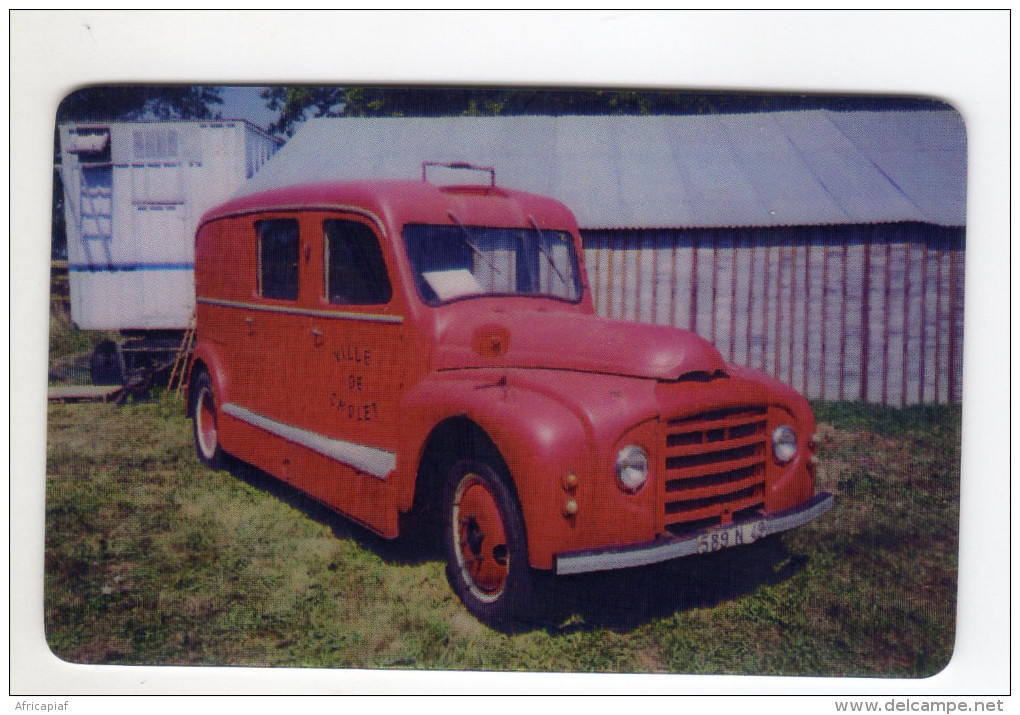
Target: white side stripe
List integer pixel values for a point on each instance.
(376, 462)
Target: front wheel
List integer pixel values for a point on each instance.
(203, 417)
(485, 543)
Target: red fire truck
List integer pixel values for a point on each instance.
(395, 346)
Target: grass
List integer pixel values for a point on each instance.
(152, 558)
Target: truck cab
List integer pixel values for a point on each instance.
(392, 347)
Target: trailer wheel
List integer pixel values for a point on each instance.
(485, 543)
(106, 364)
(203, 417)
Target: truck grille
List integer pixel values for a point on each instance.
(714, 467)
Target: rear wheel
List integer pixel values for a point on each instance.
(485, 543)
(204, 421)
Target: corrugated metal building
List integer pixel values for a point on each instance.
(824, 247)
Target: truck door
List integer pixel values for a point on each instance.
(357, 367)
(272, 326)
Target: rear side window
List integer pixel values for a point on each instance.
(355, 269)
(278, 247)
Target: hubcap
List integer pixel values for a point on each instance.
(482, 553)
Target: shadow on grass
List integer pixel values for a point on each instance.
(618, 600)
(402, 551)
(625, 599)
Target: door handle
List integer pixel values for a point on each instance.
(249, 323)
(316, 337)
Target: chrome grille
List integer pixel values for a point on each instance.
(714, 467)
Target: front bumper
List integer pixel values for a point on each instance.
(652, 552)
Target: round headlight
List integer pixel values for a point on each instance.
(632, 467)
(784, 443)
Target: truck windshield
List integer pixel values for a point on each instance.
(455, 262)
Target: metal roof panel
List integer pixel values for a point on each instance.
(923, 154)
(770, 169)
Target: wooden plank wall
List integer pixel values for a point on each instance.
(870, 313)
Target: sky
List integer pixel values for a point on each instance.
(244, 102)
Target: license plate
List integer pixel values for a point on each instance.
(736, 535)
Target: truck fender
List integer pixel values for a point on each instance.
(540, 439)
(211, 358)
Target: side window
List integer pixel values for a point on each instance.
(278, 248)
(355, 270)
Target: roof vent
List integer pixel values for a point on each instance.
(447, 174)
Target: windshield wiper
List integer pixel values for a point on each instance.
(541, 248)
(472, 246)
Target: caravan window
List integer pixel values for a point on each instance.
(91, 144)
(278, 248)
(355, 270)
(155, 143)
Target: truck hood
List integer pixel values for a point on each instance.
(561, 340)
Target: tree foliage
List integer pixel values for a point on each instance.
(298, 103)
(132, 102)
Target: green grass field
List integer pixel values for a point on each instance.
(153, 559)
